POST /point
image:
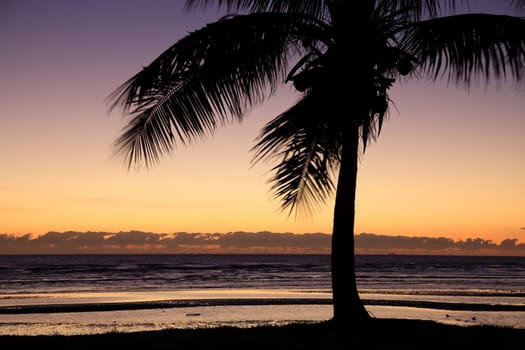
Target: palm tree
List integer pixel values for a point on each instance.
(343, 57)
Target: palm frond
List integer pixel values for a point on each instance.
(314, 8)
(419, 8)
(371, 126)
(307, 150)
(469, 46)
(210, 77)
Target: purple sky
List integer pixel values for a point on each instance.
(448, 163)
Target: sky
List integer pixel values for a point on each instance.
(448, 163)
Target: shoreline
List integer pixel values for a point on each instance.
(186, 303)
(375, 333)
(103, 312)
(237, 316)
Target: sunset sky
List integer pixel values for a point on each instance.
(449, 162)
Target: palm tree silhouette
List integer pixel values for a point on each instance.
(343, 56)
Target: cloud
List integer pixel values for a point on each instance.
(180, 242)
(522, 228)
(382, 244)
(244, 242)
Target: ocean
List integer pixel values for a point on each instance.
(82, 294)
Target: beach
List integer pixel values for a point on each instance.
(125, 312)
(102, 294)
(375, 334)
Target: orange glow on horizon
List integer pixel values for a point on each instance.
(448, 162)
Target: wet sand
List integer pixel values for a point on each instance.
(98, 313)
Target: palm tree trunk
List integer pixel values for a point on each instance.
(347, 305)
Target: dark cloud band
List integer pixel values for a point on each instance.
(242, 242)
